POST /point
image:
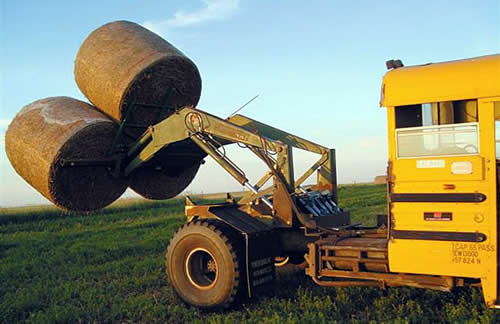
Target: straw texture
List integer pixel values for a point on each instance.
(129, 72)
(51, 129)
(123, 66)
(169, 172)
(162, 183)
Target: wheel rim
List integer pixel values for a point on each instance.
(201, 268)
(281, 261)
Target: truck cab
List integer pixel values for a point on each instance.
(443, 170)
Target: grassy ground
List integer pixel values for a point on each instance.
(109, 267)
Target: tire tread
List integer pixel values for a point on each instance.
(232, 241)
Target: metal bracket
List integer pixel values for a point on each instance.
(132, 108)
(114, 164)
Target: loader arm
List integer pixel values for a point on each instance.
(211, 133)
(208, 132)
(187, 123)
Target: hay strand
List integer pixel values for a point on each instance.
(169, 172)
(122, 65)
(51, 129)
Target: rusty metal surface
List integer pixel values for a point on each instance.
(350, 283)
(327, 176)
(364, 260)
(281, 203)
(355, 254)
(363, 242)
(395, 279)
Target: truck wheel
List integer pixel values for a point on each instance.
(203, 265)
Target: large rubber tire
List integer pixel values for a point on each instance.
(203, 264)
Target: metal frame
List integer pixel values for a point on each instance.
(321, 268)
(211, 133)
(277, 203)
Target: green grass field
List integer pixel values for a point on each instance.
(109, 267)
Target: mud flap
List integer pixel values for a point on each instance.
(261, 247)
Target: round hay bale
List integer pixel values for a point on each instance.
(122, 65)
(164, 183)
(51, 129)
(169, 172)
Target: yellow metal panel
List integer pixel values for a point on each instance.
(477, 77)
(276, 134)
(443, 187)
(391, 134)
(433, 257)
(466, 217)
(415, 170)
(473, 260)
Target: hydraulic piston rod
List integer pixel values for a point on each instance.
(228, 165)
(255, 191)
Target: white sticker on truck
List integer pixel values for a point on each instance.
(430, 164)
(464, 167)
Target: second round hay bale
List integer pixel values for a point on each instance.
(122, 63)
(162, 183)
(49, 130)
(169, 172)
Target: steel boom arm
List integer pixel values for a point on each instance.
(188, 123)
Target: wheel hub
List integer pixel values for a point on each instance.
(201, 268)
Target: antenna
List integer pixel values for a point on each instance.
(249, 101)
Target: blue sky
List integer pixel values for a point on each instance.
(316, 65)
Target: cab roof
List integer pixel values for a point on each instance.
(471, 78)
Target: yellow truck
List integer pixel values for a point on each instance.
(443, 171)
(440, 230)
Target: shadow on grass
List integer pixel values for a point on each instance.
(5, 246)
